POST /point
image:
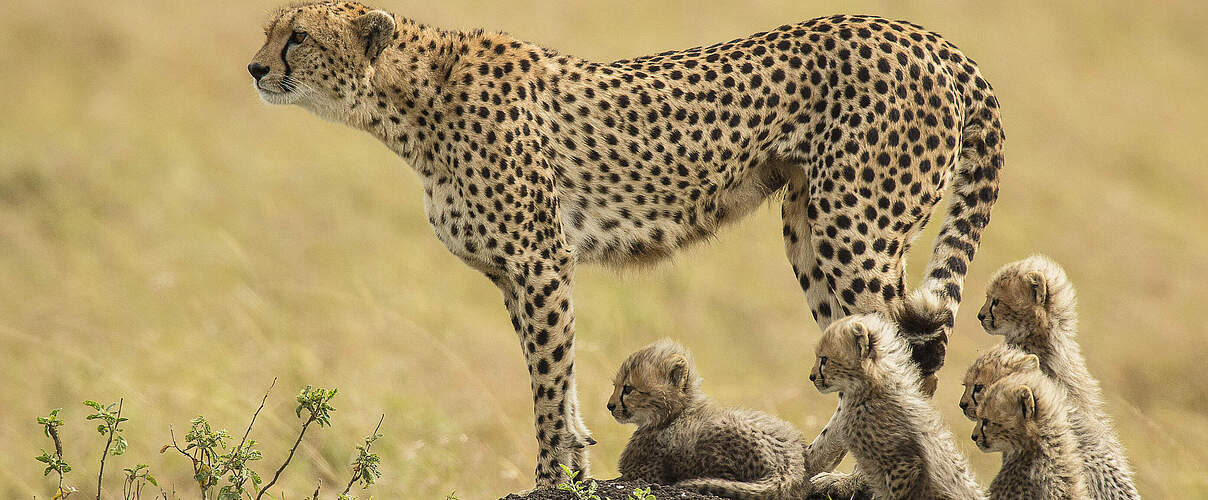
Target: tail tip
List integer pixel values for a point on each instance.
(924, 312)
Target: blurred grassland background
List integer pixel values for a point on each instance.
(167, 238)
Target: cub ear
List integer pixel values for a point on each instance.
(862, 339)
(375, 29)
(1031, 362)
(678, 374)
(1040, 291)
(1027, 402)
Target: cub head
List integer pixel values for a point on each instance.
(317, 55)
(847, 352)
(992, 366)
(1025, 298)
(1015, 410)
(654, 385)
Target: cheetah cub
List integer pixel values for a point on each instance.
(1031, 304)
(685, 439)
(998, 362)
(901, 447)
(1024, 417)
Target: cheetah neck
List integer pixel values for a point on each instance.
(1048, 461)
(1061, 358)
(405, 96)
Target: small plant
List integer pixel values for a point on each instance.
(365, 467)
(213, 460)
(641, 494)
(316, 403)
(55, 463)
(582, 490)
(111, 419)
(137, 477)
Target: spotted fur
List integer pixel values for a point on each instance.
(901, 446)
(684, 438)
(1024, 418)
(1031, 303)
(534, 161)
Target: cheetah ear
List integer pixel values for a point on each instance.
(678, 374)
(1031, 362)
(375, 29)
(1039, 289)
(1027, 402)
(863, 340)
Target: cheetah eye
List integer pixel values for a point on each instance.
(821, 361)
(626, 390)
(297, 38)
(993, 302)
(977, 388)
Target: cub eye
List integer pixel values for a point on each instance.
(626, 390)
(978, 388)
(985, 422)
(993, 302)
(297, 38)
(821, 360)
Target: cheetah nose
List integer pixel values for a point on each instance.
(611, 407)
(257, 70)
(981, 317)
(813, 377)
(974, 437)
(964, 406)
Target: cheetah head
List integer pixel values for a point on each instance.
(654, 385)
(846, 351)
(999, 362)
(318, 55)
(1014, 411)
(1026, 298)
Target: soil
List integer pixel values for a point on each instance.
(615, 490)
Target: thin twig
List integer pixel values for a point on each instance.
(54, 435)
(356, 472)
(117, 420)
(253, 422)
(318, 484)
(277, 474)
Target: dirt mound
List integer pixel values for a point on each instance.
(615, 490)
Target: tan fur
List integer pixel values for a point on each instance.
(684, 439)
(533, 162)
(1032, 303)
(902, 448)
(998, 362)
(1024, 418)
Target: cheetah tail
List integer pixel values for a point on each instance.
(974, 191)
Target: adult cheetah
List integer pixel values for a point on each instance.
(534, 161)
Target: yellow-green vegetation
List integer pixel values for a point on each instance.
(167, 239)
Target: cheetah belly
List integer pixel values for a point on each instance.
(626, 233)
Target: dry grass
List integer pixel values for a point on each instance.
(167, 238)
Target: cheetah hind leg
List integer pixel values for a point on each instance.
(837, 485)
(768, 489)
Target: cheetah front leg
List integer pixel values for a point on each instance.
(537, 293)
(825, 452)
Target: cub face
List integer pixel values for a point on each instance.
(1021, 296)
(653, 385)
(842, 351)
(999, 362)
(313, 54)
(1003, 418)
(1016, 409)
